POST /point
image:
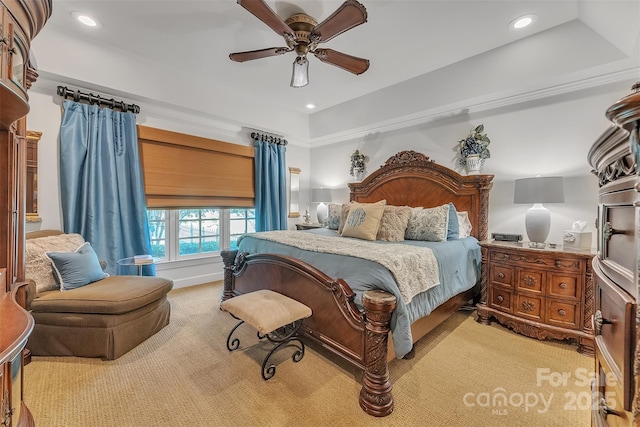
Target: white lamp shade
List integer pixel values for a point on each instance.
(321, 195)
(540, 189)
(300, 75)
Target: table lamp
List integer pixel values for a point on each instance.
(538, 190)
(321, 196)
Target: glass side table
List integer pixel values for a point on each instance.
(133, 262)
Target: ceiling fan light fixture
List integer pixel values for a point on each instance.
(300, 76)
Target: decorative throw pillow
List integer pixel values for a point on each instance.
(465, 224)
(394, 223)
(343, 216)
(38, 266)
(334, 214)
(363, 220)
(429, 224)
(76, 269)
(453, 227)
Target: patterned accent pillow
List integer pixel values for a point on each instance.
(333, 218)
(343, 216)
(363, 220)
(394, 223)
(429, 224)
(38, 267)
(465, 224)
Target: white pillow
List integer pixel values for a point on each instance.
(465, 224)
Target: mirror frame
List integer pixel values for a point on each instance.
(33, 138)
(294, 192)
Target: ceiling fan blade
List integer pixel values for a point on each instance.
(257, 54)
(350, 14)
(263, 12)
(349, 63)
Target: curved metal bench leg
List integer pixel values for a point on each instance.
(235, 344)
(270, 371)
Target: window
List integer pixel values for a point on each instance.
(240, 221)
(191, 233)
(198, 231)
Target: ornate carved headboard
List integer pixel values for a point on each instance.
(411, 178)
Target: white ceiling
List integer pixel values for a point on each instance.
(411, 41)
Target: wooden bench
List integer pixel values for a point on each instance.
(276, 318)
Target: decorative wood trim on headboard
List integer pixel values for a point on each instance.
(411, 178)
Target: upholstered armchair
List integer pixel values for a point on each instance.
(81, 311)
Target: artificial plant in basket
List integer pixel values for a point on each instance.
(477, 143)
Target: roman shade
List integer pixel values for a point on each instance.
(186, 171)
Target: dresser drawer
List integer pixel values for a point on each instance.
(564, 285)
(529, 306)
(563, 313)
(501, 298)
(616, 339)
(543, 260)
(608, 407)
(616, 244)
(531, 281)
(502, 275)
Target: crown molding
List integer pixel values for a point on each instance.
(476, 105)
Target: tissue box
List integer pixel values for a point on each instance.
(576, 239)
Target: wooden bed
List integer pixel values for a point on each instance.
(407, 178)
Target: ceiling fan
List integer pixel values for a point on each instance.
(303, 34)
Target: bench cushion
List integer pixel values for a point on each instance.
(266, 310)
(113, 295)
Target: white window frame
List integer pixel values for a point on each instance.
(171, 237)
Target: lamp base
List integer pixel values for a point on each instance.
(538, 223)
(322, 212)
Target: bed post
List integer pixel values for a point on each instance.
(375, 395)
(228, 257)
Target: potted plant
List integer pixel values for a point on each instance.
(358, 167)
(474, 149)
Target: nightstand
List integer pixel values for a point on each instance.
(309, 226)
(540, 293)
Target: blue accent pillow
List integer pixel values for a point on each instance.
(76, 269)
(453, 227)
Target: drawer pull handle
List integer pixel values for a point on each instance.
(563, 285)
(609, 231)
(598, 321)
(562, 312)
(500, 275)
(500, 298)
(604, 410)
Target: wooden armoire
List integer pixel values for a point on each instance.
(20, 21)
(614, 158)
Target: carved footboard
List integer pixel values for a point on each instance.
(336, 323)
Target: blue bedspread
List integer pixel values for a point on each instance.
(458, 263)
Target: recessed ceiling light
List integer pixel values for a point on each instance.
(85, 19)
(522, 21)
(311, 106)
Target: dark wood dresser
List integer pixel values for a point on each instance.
(616, 264)
(20, 21)
(540, 293)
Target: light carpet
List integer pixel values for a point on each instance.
(464, 374)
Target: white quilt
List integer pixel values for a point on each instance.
(414, 268)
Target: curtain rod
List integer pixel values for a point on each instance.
(265, 137)
(78, 96)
